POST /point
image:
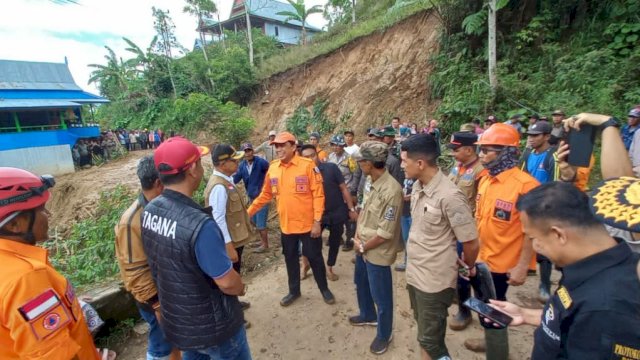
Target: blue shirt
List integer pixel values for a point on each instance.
(535, 166)
(252, 181)
(210, 251)
(627, 135)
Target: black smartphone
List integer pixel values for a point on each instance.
(581, 145)
(487, 311)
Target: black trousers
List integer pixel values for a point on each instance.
(351, 230)
(312, 249)
(335, 235)
(238, 264)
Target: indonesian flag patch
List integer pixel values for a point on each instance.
(45, 313)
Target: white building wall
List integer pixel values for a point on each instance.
(286, 34)
(53, 160)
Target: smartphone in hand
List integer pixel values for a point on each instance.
(487, 311)
(581, 145)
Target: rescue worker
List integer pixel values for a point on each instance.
(503, 246)
(376, 244)
(296, 184)
(314, 139)
(132, 261)
(351, 174)
(594, 313)
(466, 175)
(441, 214)
(267, 149)
(186, 253)
(40, 317)
(228, 206)
(338, 205)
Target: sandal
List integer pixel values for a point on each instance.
(107, 354)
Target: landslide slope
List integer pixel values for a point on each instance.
(374, 77)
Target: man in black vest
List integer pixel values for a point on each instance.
(197, 286)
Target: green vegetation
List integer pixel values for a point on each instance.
(87, 256)
(575, 55)
(304, 121)
(374, 15)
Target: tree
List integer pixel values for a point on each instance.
(200, 9)
(112, 77)
(493, 77)
(167, 40)
(301, 14)
(339, 11)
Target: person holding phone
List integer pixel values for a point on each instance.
(595, 312)
(503, 246)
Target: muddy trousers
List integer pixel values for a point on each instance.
(497, 340)
(312, 250)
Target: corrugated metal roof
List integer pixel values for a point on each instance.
(16, 104)
(267, 9)
(35, 76)
(71, 95)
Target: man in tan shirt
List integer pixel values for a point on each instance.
(377, 243)
(466, 174)
(132, 260)
(440, 214)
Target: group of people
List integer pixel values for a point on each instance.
(140, 139)
(481, 227)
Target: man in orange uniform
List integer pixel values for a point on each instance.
(40, 317)
(503, 246)
(296, 184)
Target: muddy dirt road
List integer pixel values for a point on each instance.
(309, 329)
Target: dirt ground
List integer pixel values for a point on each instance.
(310, 329)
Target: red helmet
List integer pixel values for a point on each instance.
(21, 190)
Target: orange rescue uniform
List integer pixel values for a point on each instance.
(297, 188)
(499, 226)
(40, 317)
(322, 155)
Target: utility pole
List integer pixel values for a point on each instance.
(353, 11)
(493, 77)
(247, 7)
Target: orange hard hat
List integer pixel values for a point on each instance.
(500, 134)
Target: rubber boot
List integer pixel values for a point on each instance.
(545, 281)
(463, 318)
(497, 341)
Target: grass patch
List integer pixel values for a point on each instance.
(335, 38)
(88, 255)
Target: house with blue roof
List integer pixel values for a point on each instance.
(40, 116)
(263, 15)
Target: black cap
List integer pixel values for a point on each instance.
(223, 152)
(462, 138)
(349, 132)
(541, 127)
(534, 116)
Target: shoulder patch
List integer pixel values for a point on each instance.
(390, 213)
(45, 314)
(564, 296)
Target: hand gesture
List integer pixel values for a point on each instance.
(576, 121)
(508, 308)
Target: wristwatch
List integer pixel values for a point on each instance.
(611, 122)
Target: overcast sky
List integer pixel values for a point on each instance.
(42, 30)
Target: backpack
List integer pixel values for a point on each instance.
(547, 164)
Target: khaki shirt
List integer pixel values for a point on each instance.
(132, 260)
(381, 217)
(440, 215)
(467, 177)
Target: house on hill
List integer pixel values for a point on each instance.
(263, 15)
(40, 116)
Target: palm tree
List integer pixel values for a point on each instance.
(301, 14)
(111, 77)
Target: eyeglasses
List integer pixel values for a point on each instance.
(486, 150)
